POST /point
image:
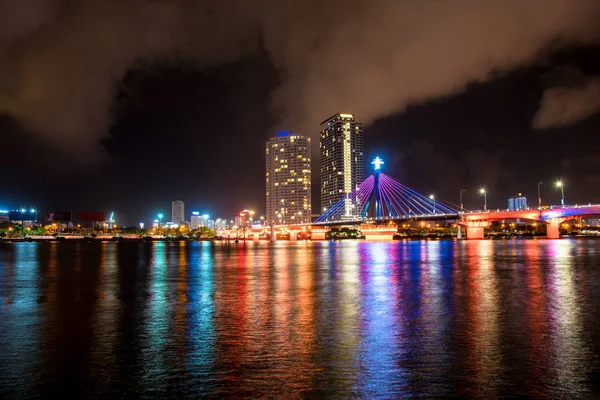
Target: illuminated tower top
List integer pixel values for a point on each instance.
(377, 163)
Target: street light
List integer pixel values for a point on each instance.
(540, 195)
(160, 217)
(461, 199)
(560, 185)
(484, 193)
(432, 197)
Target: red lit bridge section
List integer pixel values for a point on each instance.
(553, 216)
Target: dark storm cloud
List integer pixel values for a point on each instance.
(61, 61)
(565, 105)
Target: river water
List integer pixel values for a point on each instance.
(300, 319)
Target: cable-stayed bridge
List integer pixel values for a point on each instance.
(385, 200)
(380, 197)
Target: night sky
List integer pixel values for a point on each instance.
(129, 107)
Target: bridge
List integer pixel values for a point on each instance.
(552, 216)
(380, 203)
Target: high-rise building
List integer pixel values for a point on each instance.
(288, 179)
(177, 212)
(341, 151)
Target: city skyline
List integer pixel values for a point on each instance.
(177, 206)
(296, 148)
(160, 127)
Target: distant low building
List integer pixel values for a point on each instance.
(195, 220)
(221, 224)
(595, 222)
(198, 221)
(518, 202)
(244, 219)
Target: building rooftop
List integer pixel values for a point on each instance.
(338, 115)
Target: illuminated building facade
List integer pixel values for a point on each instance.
(341, 151)
(288, 179)
(221, 224)
(177, 212)
(244, 219)
(518, 202)
(198, 221)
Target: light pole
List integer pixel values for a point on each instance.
(540, 195)
(432, 198)
(560, 185)
(484, 193)
(462, 207)
(160, 217)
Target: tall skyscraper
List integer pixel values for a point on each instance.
(288, 179)
(177, 212)
(342, 170)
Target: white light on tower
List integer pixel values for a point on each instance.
(377, 163)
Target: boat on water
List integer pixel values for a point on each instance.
(344, 233)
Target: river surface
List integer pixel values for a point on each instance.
(300, 320)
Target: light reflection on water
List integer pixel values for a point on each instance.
(322, 319)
